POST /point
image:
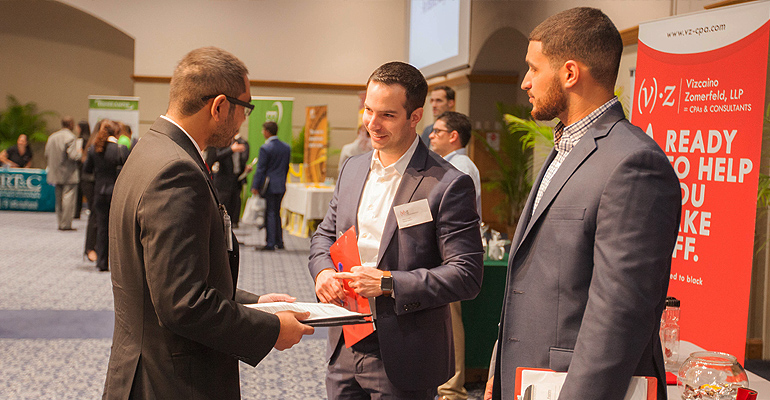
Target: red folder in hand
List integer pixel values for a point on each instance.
(344, 253)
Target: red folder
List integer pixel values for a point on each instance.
(344, 253)
(652, 383)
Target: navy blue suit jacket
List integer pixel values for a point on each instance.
(273, 162)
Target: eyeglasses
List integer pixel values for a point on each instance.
(436, 131)
(247, 107)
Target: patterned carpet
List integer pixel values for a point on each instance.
(56, 315)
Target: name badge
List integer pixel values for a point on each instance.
(414, 213)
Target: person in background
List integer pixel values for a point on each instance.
(62, 152)
(451, 133)
(84, 133)
(361, 145)
(273, 164)
(419, 244)
(442, 98)
(18, 155)
(227, 164)
(181, 323)
(87, 184)
(590, 259)
(105, 157)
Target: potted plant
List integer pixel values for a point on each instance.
(514, 159)
(20, 119)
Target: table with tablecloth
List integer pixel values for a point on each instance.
(303, 205)
(26, 189)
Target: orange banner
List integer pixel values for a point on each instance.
(316, 143)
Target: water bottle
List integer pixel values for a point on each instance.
(669, 333)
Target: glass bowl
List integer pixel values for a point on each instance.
(711, 375)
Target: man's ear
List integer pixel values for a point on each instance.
(454, 137)
(451, 104)
(571, 73)
(416, 116)
(218, 109)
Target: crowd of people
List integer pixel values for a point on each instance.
(588, 266)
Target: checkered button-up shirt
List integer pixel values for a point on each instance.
(566, 139)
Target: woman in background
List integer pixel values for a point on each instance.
(87, 185)
(105, 157)
(84, 132)
(18, 155)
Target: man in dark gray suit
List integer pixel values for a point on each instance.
(419, 244)
(589, 264)
(180, 322)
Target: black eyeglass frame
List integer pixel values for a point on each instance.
(248, 106)
(436, 131)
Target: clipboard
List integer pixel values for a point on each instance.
(526, 377)
(344, 253)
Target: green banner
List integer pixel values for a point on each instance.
(276, 109)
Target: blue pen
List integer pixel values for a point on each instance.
(339, 268)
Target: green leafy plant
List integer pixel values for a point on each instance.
(514, 159)
(298, 148)
(19, 119)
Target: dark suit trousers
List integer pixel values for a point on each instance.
(273, 232)
(102, 210)
(357, 373)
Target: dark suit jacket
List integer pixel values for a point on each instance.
(588, 273)
(104, 166)
(180, 327)
(433, 264)
(226, 178)
(273, 162)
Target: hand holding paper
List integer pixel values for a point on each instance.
(292, 329)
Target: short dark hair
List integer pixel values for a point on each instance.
(204, 72)
(450, 93)
(271, 127)
(408, 77)
(582, 34)
(459, 122)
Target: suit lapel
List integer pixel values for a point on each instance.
(360, 173)
(409, 182)
(584, 149)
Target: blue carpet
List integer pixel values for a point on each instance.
(56, 324)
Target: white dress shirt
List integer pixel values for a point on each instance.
(376, 202)
(461, 161)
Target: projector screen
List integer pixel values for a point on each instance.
(439, 35)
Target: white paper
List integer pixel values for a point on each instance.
(547, 385)
(317, 310)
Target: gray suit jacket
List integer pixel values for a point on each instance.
(62, 154)
(589, 271)
(180, 327)
(433, 264)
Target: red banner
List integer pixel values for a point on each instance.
(699, 92)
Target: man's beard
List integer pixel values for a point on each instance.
(553, 104)
(224, 134)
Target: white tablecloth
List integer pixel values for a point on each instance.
(308, 200)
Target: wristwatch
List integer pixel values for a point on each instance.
(386, 283)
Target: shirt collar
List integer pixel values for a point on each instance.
(271, 138)
(400, 165)
(167, 118)
(460, 151)
(571, 134)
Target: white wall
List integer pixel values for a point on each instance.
(328, 41)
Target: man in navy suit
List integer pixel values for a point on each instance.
(419, 245)
(273, 165)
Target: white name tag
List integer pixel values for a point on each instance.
(414, 213)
